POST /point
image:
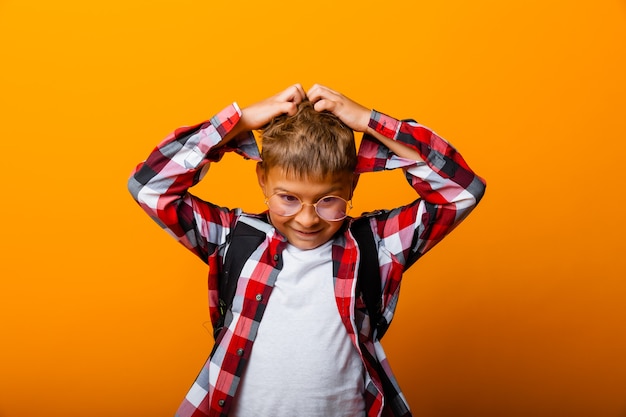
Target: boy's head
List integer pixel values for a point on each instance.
(310, 144)
(307, 174)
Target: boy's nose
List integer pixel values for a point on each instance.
(307, 216)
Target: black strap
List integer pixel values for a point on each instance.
(369, 282)
(245, 239)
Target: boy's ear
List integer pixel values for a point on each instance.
(260, 175)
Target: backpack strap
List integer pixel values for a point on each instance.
(368, 280)
(244, 240)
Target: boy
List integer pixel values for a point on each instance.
(297, 339)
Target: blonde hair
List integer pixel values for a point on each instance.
(308, 144)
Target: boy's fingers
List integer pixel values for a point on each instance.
(323, 104)
(294, 93)
(301, 93)
(315, 93)
(290, 108)
(318, 92)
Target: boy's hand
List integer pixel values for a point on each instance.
(356, 117)
(259, 114)
(351, 113)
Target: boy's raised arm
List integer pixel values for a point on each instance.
(356, 116)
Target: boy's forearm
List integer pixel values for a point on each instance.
(397, 148)
(173, 166)
(440, 176)
(160, 184)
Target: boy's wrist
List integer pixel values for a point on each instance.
(228, 123)
(381, 124)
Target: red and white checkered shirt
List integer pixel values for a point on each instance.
(448, 190)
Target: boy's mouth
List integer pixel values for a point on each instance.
(307, 232)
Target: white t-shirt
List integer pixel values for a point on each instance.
(302, 362)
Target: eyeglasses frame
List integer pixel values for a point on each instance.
(302, 204)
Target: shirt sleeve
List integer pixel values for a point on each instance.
(160, 184)
(448, 190)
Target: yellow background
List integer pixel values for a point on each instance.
(520, 312)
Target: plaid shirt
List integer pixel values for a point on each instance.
(448, 190)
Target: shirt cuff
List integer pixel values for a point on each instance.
(383, 124)
(373, 156)
(244, 143)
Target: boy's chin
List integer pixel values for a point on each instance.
(306, 245)
(305, 241)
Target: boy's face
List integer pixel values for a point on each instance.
(305, 229)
